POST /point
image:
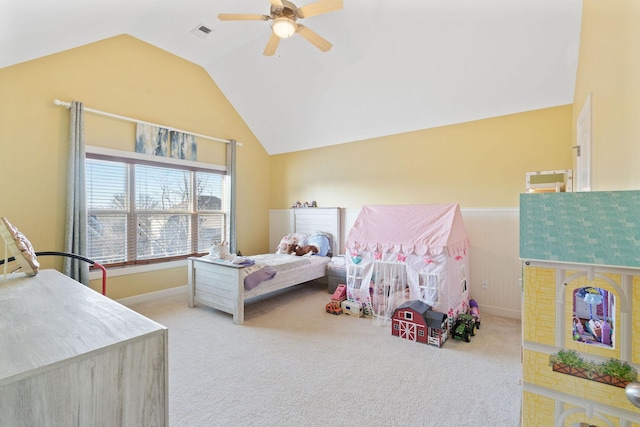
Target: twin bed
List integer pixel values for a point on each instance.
(223, 285)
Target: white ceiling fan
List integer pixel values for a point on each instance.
(284, 15)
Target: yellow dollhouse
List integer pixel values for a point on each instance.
(581, 285)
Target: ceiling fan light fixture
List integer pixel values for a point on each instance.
(284, 27)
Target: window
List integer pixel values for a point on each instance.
(141, 212)
(429, 284)
(408, 315)
(593, 316)
(463, 278)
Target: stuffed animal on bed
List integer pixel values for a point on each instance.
(220, 251)
(306, 250)
(287, 245)
(295, 249)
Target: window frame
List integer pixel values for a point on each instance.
(131, 159)
(427, 282)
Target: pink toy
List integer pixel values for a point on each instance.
(284, 247)
(474, 311)
(340, 294)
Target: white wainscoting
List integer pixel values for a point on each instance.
(494, 254)
(495, 257)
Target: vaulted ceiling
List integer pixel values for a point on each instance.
(395, 66)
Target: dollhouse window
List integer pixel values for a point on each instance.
(593, 316)
(421, 332)
(408, 315)
(429, 286)
(463, 278)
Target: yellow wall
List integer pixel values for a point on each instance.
(476, 164)
(479, 164)
(128, 77)
(483, 163)
(609, 69)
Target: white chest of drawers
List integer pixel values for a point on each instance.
(72, 357)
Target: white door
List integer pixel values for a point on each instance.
(408, 331)
(583, 149)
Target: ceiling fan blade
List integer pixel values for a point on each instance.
(242, 17)
(272, 45)
(319, 7)
(277, 3)
(313, 38)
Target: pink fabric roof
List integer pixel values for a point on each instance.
(417, 229)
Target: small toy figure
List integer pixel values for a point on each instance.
(287, 245)
(332, 308)
(306, 250)
(340, 294)
(578, 329)
(475, 312)
(220, 250)
(335, 307)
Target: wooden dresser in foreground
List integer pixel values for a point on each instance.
(72, 357)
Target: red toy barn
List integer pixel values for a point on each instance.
(416, 321)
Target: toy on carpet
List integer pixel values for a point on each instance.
(464, 327)
(340, 294)
(352, 308)
(334, 306)
(474, 311)
(416, 321)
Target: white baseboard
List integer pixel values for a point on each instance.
(501, 312)
(137, 299)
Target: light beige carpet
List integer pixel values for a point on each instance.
(292, 364)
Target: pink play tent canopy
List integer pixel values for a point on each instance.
(409, 229)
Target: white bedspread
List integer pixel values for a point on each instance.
(281, 266)
(284, 262)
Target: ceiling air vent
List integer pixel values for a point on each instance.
(201, 31)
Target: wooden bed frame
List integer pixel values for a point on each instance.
(221, 286)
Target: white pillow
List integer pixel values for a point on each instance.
(291, 239)
(321, 242)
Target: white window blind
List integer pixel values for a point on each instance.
(141, 212)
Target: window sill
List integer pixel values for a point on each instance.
(135, 269)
